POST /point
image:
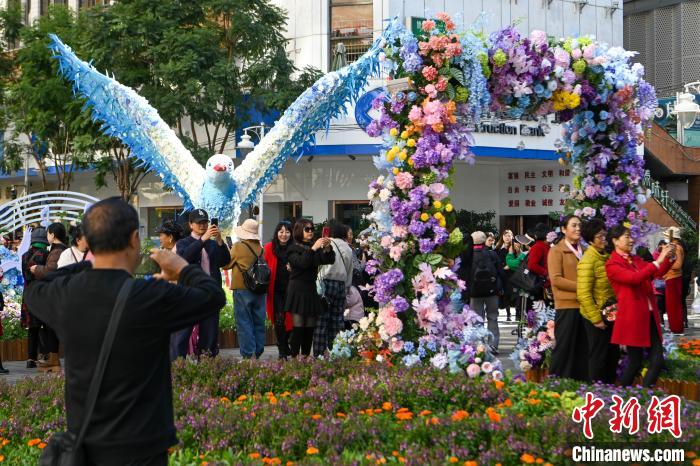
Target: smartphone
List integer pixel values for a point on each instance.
(326, 232)
(215, 222)
(229, 242)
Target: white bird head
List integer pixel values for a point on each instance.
(219, 168)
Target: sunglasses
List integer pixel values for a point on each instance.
(308, 229)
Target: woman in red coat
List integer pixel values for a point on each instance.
(637, 325)
(537, 257)
(275, 255)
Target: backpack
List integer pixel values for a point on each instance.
(484, 280)
(257, 277)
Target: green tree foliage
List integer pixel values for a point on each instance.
(45, 118)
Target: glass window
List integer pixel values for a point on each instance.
(91, 3)
(158, 215)
(351, 212)
(290, 211)
(351, 24)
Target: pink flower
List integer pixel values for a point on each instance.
(404, 180)
(487, 367)
(589, 52)
(538, 38)
(550, 324)
(396, 251)
(568, 77)
(453, 50)
(386, 241)
(399, 231)
(541, 337)
(416, 114)
(439, 191)
(429, 73)
(561, 57)
(443, 16)
(473, 370)
(396, 345)
(441, 84)
(392, 326)
(576, 54)
(437, 59)
(431, 91)
(428, 25)
(424, 47)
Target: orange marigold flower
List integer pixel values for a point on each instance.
(312, 451)
(532, 393)
(2, 458)
(275, 460)
(5, 442)
(696, 462)
(403, 410)
(404, 416)
(434, 421)
(539, 461)
(402, 459)
(508, 402)
(377, 410)
(548, 464)
(425, 412)
(499, 384)
(33, 442)
(41, 446)
(453, 459)
(254, 456)
(290, 463)
(688, 454)
(471, 463)
(460, 415)
(533, 401)
(527, 458)
(493, 415)
(316, 417)
(386, 406)
(242, 398)
(224, 399)
(340, 414)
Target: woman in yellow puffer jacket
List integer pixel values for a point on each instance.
(593, 290)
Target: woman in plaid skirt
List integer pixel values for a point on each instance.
(336, 279)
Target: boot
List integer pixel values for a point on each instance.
(2, 369)
(52, 364)
(31, 364)
(295, 341)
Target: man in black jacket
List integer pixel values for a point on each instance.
(133, 418)
(205, 248)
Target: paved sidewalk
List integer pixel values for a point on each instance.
(19, 371)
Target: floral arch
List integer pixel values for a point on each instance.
(441, 81)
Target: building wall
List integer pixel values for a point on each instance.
(308, 28)
(668, 41)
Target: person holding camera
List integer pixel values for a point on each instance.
(127, 407)
(305, 256)
(204, 247)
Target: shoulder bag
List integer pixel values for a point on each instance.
(64, 448)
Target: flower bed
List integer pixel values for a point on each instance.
(343, 412)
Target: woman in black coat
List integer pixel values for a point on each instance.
(303, 302)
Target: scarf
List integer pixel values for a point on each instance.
(578, 252)
(205, 257)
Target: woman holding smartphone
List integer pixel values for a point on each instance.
(305, 256)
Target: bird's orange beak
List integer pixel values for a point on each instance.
(219, 168)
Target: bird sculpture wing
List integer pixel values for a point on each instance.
(310, 112)
(129, 117)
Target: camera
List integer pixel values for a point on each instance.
(215, 222)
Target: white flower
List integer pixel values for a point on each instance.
(525, 366)
(384, 195)
(371, 193)
(380, 358)
(487, 367)
(480, 349)
(364, 323)
(477, 360)
(497, 375)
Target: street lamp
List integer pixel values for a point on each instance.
(686, 109)
(246, 145)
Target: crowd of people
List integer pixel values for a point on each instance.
(80, 291)
(605, 297)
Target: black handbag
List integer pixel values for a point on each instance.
(525, 280)
(64, 448)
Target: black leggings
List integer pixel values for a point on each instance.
(280, 328)
(635, 355)
(302, 334)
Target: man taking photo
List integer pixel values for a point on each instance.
(206, 248)
(132, 422)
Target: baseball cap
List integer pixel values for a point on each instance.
(199, 215)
